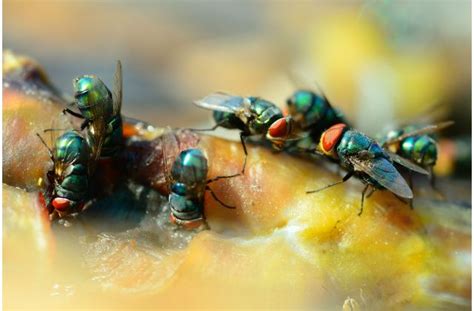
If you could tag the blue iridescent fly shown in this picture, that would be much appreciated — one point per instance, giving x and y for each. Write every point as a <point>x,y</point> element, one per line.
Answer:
<point>364,158</point>
<point>250,115</point>
<point>188,184</point>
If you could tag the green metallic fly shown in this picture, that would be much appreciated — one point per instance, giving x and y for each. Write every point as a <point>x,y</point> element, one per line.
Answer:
<point>364,158</point>
<point>68,181</point>
<point>251,115</point>
<point>188,184</point>
<point>309,115</point>
<point>101,110</point>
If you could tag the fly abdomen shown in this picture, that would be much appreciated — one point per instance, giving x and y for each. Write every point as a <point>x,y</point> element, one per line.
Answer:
<point>228,120</point>
<point>185,209</point>
<point>421,149</point>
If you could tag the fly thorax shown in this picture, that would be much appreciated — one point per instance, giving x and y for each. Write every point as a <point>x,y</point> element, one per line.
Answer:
<point>90,91</point>
<point>317,112</point>
<point>299,104</point>
<point>189,172</point>
<point>353,142</point>
<point>71,146</point>
<point>264,114</point>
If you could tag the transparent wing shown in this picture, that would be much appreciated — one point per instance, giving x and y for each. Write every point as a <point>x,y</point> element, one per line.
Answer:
<point>117,92</point>
<point>422,131</point>
<point>384,173</point>
<point>431,114</point>
<point>407,163</point>
<point>224,102</point>
<point>97,131</point>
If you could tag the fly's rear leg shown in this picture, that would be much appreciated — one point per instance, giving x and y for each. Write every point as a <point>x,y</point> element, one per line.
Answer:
<point>363,197</point>
<point>344,179</point>
<point>217,199</point>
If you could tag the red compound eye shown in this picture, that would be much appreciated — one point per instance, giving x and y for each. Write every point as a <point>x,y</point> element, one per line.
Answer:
<point>331,136</point>
<point>279,128</point>
<point>61,203</point>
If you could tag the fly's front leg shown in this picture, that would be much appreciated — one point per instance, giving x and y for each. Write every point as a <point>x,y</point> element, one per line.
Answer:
<point>73,113</point>
<point>243,137</point>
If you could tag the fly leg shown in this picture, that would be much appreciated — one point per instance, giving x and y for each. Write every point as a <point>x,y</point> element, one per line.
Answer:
<point>209,129</point>
<point>85,124</point>
<point>77,115</point>
<point>50,152</point>
<point>243,136</point>
<point>400,199</point>
<point>217,199</point>
<point>73,113</point>
<point>53,130</point>
<point>221,177</point>
<point>362,199</point>
<point>344,179</point>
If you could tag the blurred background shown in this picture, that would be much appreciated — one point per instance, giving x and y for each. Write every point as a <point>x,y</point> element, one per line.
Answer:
<point>380,62</point>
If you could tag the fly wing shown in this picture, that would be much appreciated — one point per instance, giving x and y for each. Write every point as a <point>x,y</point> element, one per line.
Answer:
<point>422,131</point>
<point>117,92</point>
<point>407,163</point>
<point>224,102</point>
<point>97,131</point>
<point>384,173</point>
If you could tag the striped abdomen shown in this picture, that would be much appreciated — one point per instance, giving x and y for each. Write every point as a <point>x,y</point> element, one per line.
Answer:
<point>70,175</point>
<point>420,149</point>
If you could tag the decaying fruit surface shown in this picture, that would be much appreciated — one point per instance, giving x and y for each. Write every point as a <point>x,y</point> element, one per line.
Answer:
<point>279,248</point>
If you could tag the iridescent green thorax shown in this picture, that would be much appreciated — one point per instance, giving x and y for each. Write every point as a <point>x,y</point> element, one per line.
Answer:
<point>71,147</point>
<point>313,112</point>
<point>190,169</point>
<point>356,144</point>
<point>264,114</point>
<point>90,91</point>
<point>352,142</point>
